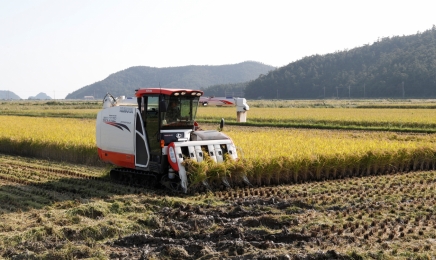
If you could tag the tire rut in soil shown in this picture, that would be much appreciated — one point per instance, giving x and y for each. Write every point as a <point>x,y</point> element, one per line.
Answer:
<point>230,231</point>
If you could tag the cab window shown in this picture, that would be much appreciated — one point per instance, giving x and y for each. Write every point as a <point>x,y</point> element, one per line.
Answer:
<point>153,106</point>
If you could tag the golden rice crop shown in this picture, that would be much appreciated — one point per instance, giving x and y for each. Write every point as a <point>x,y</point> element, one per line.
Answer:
<point>277,155</point>
<point>424,118</point>
<point>55,138</point>
<point>268,155</point>
<point>50,112</point>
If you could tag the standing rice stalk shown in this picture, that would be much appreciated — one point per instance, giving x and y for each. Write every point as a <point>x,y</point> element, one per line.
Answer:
<point>196,171</point>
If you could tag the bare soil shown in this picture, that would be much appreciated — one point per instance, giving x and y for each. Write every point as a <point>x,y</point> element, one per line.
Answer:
<point>249,228</point>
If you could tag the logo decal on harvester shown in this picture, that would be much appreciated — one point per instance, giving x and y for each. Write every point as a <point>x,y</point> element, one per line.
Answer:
<point>126,110</point>
<point>118,125</point>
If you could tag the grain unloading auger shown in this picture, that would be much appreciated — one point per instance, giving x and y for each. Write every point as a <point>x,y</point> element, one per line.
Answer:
<point>152,134</point>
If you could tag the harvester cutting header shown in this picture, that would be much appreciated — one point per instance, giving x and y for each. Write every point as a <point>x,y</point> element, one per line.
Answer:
<point>153,135</point>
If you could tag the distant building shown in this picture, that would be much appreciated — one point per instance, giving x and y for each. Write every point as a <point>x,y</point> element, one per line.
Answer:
<point>89,97</point>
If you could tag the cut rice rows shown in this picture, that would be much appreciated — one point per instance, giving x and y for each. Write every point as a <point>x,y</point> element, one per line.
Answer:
<point>58,211</point>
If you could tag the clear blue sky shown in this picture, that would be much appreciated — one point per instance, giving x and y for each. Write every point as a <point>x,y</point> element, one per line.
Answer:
<point>59,46</point>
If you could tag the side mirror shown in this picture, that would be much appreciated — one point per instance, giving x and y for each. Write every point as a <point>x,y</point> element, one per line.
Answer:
<point>162,106</point>
<point>222,124</point>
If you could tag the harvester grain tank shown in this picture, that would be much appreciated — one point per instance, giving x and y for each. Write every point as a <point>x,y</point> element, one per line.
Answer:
<point>155,132</point>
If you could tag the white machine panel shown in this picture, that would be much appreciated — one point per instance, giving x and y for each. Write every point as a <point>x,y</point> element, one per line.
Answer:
<point>116,129</point>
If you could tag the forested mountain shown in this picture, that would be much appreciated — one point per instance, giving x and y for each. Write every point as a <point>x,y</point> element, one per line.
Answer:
<point>194,77</point>
<point>393,67</point>
<point>7,95</point>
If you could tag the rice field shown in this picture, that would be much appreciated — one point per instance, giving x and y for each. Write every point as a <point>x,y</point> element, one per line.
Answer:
<point>61,139</point>
<point>339,118</point>
<point>378,115</point>
<point>52,210</point>
<point>280,155</point>
<point>345,103</point>
<point>71,109</point>
<point>268,155</point>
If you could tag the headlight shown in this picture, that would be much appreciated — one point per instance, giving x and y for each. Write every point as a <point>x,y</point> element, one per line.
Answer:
<point>172,154</point>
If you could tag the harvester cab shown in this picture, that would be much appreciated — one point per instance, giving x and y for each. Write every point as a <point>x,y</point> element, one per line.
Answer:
<point>154,133</point>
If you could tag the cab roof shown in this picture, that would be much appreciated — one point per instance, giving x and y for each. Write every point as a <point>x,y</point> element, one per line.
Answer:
<point>167,91</point>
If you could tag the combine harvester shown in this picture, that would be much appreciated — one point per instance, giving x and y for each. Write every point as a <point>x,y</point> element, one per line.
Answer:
<point>153,133</point>
<point>218,101</point>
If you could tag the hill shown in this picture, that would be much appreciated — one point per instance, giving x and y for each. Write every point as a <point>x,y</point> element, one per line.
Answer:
<point>391,67</point>
<point>40,96</point>
<point>7,95</point>
<point>195,77</point>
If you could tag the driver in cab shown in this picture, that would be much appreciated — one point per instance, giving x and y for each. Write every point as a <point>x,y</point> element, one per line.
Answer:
<point>173,111</point>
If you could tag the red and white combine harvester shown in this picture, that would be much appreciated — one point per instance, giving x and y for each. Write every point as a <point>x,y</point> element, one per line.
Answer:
<point>218,101</point>
<point>153,133</point>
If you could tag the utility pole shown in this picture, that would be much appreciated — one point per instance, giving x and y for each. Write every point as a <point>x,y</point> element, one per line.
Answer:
<point>324,91</point>
<point>349,96</point>
<point>402,83</point>
<point>364,93</point>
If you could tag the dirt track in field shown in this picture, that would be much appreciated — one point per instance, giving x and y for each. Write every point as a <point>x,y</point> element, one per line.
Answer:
<point>250,228</point>
<point>376,216</point>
